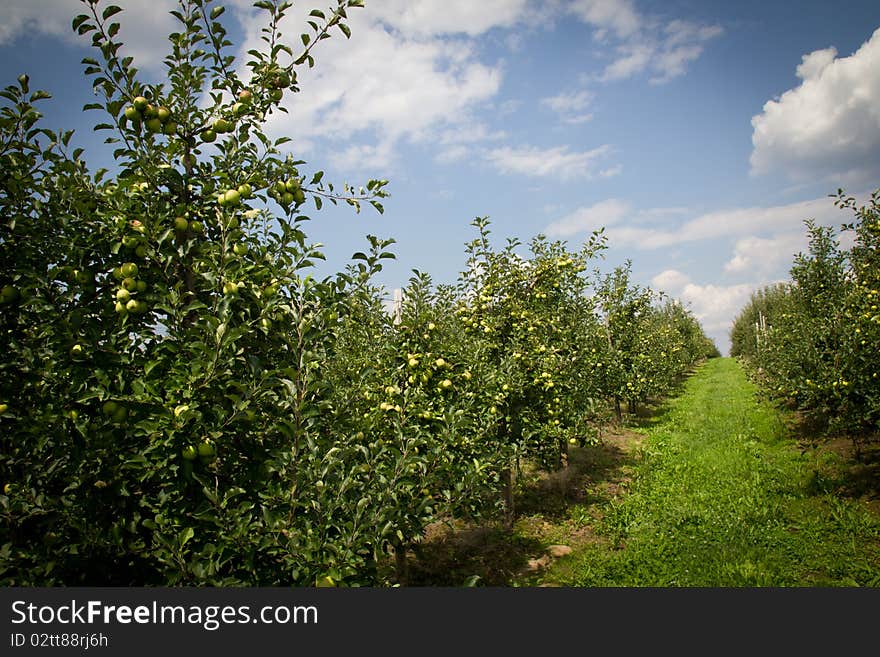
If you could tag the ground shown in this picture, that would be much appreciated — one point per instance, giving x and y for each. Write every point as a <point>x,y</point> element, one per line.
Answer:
<point>773,504</point>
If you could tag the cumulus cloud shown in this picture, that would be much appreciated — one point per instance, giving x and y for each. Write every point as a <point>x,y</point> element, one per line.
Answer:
<point>409,73</point>
<point>670,281</point>
<point>715,306</point>
<point>558,161</point>
<point>144,26</point>
<point>587,219</point>
<point>765,255</point>
<point>828,127</point>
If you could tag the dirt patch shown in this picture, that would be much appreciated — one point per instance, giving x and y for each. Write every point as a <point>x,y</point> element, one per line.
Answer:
<point>552,509</point>
<point>846,467</point>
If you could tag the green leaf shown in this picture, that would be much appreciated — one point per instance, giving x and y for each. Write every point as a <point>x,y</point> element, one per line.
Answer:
<point>112,10</point>
<point>185,535</point>
<point>78,20</point>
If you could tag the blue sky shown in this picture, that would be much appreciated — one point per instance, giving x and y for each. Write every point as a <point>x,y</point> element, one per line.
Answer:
<point>700,134</point>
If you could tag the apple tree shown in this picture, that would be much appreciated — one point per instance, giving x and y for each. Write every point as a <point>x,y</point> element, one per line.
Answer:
<point>162,332</point>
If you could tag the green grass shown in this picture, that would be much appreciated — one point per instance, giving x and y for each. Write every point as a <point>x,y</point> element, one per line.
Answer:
<point>720,496</point>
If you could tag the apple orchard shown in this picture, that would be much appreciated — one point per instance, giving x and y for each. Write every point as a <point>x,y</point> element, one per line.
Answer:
<point>183,402</point>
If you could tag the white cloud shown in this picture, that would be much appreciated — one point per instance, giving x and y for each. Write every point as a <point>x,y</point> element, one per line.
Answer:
<point>670,281</point>
<point>739,222</point>
<point>452,154</point>
<point>557,161</point>
<point>587,219</point>
<point>610,172</point>
<point>565,103</point>
<point>25,17</point>
<point>765,255</point>
<point>828,127</point>
<point>618,16</point>
<point>715,306</point>
<point>409,73</point>
<point>632,59</point>
<point>144,26</point>
<point>644,43</point>
<point>570,106</point>
<point>356,156</point>
<point>430,18</point>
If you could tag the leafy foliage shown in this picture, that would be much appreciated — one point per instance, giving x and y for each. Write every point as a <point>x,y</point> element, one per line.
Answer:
<point>814,341</point>
<point>183,403</point>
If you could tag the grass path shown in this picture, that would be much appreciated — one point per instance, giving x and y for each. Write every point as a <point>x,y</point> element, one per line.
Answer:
<point>716,495</point>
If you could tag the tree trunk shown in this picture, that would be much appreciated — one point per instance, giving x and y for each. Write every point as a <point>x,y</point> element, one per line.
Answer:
<point>401,566</point>
<point>507,483</point>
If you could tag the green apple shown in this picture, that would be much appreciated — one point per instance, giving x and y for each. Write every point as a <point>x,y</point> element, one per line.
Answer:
<point>123,295</point>
<point>128,269</point>
<point>189,453</point>
<point>153,125</point>
<point>221,125</point>
<point>196,227</point>
<point>129,284</point>
<point>239,109</point>
<point>245,190</point>
<point>163,114</point>
<point>232,197</point>
<point>287,198</point>
<point>140,103</point>
<point>245,96</point>
<point>240,248</point>
<point>291,185</point>
<point>181,224</point>
<point>150,112</point>
<point>206,449</point>
<point>209,135</point>
<point>299,197</point>
<point>280,80</point>
<point>109,408</point>
<point>120,414</point>
<point>77,351</point>
<point>9,294</point>
<point>120,308</point>
<point>230,288</point>
<point>132,306</point>
<point>132,114</point>
<point>141,251</point>
<point>141,286</point>
<point>3,409</point>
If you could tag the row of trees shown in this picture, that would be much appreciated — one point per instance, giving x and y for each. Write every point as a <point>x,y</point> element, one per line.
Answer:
<point>183,402</point>
<point>814,341</point>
